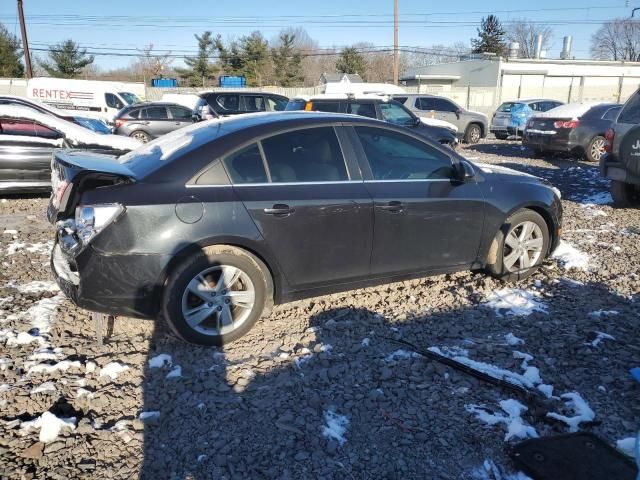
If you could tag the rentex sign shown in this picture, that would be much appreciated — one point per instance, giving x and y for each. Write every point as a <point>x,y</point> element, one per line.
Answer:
<point>55,94</point>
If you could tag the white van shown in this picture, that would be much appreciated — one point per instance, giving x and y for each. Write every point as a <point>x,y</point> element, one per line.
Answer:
<point>96,98</point>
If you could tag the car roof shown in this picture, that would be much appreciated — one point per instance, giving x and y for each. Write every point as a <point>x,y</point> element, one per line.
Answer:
<point>240,91</point>
<point>343,96</point>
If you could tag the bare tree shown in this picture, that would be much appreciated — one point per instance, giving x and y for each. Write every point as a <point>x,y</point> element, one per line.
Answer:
<point>618,39</point>
<point>435,54</point>
<point>526,34</point>
<point>152,64</point>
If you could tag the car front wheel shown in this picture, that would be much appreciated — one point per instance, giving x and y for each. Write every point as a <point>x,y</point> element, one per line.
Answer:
<point>217,295</point>
<point>519,247</point>
<point>473,133</point>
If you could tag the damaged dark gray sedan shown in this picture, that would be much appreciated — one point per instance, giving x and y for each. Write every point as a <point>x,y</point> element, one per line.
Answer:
<point>209,226</point>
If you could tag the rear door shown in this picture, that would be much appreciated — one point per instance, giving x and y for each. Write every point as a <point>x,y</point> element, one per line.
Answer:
<point>157,120</point>
<point>25,152</point>
<point>422,219</point>
<point>447,111</point>
<point>303,190</point>
<point>252,103</point>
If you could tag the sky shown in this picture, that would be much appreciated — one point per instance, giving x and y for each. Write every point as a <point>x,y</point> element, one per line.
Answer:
<point>124,27</point>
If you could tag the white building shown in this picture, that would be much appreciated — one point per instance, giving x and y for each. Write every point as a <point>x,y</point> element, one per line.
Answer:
<point>486,82</point>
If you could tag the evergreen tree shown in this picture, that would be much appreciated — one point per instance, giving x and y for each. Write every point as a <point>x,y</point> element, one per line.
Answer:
<point>351,61</point>
<point>66,60</point>
<point>10,53</point>
<point>490,37</point>
<point>254,52</point>
<point>200,68</point>
<point>287,62</point>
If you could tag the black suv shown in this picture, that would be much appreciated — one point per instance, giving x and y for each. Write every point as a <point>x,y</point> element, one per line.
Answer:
<point>378,107</point>
<point>621,163</point>
<point>237,102</point>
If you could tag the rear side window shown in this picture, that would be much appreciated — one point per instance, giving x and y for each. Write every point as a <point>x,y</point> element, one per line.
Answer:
<point>611,113</point>
<point>180,113</point>
<point>246,166</point>
<point>425,103</point>
<point>134,113</point>
<point>395,156</point>
<point>319,106</point>
<point>252,103</point>
<point>442,105</point>
<point>277,104</point>
<point>294,105</point>
<point>27,128</point>
<point>362,109</point>
<point>631,110</point>
<point>154,113</point>
<point>308,155</point>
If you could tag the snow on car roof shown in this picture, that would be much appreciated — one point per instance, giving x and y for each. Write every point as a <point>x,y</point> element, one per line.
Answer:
<point>74,134</point>
<point>570,110</point>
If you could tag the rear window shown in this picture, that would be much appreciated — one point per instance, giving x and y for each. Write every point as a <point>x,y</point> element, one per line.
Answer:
<point>611,113</point>
<point>506,107</point>
<point>320,106</point>
<point>631,111</point>
<point>295,105</point>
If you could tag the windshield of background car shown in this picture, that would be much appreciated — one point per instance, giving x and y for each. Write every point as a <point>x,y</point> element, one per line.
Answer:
<point>506,107</point>
<point>394,113</point>
<point>129,97</point>
<point>295,105</point>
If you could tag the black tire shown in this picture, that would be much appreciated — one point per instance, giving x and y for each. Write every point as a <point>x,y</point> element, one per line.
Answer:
<point>212,256</point>
<point>473,133</point>
<point>501,136</point>
<point>141,135</point>
<point>593,153</point>
<point>495,264</point>
<point>624,194</point>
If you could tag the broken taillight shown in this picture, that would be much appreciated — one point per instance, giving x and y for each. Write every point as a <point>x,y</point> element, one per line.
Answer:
<point>609,136</point>
<point>120,122</point>
<point>59,190</point>
<point>566,124</point>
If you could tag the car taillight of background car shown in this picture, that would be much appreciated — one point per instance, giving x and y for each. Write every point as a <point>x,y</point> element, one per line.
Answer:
<point>569,124</point>
<point>609,137</point>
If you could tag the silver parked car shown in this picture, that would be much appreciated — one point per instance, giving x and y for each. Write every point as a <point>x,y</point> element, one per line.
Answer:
<point>146,121</point>
<point>511,117</point>
<point>472,126</point>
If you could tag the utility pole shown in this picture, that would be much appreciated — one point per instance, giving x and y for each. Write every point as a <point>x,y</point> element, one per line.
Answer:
<point>396,73</point>
<point>25,42</point>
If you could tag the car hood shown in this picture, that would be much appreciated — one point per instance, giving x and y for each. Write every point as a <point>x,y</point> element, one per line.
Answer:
<point>508,173</point>
<point>478,114</point>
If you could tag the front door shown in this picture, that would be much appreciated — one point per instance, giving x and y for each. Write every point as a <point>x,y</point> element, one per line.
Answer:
<point>423,220</point>
<point>312,210</point>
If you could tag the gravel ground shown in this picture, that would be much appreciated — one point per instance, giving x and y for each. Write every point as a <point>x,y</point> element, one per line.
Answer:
<point>319,389</point>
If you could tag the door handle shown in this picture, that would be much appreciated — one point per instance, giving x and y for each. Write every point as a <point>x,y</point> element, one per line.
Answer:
<point>393,206</point>
<point>279,209</point>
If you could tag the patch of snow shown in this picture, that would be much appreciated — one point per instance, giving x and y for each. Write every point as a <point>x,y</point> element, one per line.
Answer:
<point>514,301</point>
<point>365,342</point>
<point>37,286</point>
<point>579,406</point>
<point>401,355</point>
<point>599,337</point>
<point>90,367</point>
<point>570,257</point>
<point>42,312</point>
<point>512,340</point>
<point>516,427</point>
<point>603,313</point>
<point>4,387</point>
<point>46,387</point>
<point>83,392</point>
<point>10,232</point>
<point>148,415</point>
<point>159,361</point>
<point>434,122</point>
<point>326,348</point>
<point>113,369</point>
<point>600,198</point>
<point>36,248</point>
<point>547,390</point>
<point>490,471</point>
<point>63,366</point>
<point>627,446</point>
<point>22,338</point>
<point>176,372</point>
<point>336,426</point>
<point>202,458</point>
<point>50,426</point>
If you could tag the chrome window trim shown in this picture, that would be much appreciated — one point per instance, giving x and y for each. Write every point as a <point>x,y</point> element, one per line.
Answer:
<point>276,184</point>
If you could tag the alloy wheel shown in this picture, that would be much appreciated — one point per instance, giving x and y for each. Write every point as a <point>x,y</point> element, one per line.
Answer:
<point>141,136</point>
<point>597,149</point>
<point>474,134</point>
<point>218,300</point>
<point>523,247</point>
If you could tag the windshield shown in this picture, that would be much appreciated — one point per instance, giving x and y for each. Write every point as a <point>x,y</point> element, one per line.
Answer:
<point>295,105</point>
<point>506,107</point>
<point>129,97</point>
<point>396,114</point>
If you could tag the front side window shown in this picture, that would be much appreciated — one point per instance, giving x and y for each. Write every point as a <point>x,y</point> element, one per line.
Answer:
<point>228,102</point>
<point>246,165</point>
<point>129,97</point>
<point>396,114</point>
<point>252,103</point>
<point>362,109</point>
<point>113,101</point>
<point>308,155</point>
<point>296,104</point>
<point>154,113</point>
<point>180,113</point>
<point>396,156</point>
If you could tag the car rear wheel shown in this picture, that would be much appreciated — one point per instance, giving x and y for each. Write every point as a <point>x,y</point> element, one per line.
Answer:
<point>595,149</point>
<point>217,295</point>
<point>141,136</point>
<point>519,247</point>
<point>473,134</point>
<point>502,136</point>
<point>624,194</point>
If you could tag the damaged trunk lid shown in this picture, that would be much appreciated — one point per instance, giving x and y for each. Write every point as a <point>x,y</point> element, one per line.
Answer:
<point>74,172</point>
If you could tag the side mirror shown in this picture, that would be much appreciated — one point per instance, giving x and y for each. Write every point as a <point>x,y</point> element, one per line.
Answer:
<point>458,112</point>
<point>196,117</point>
<point>464,171</point>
